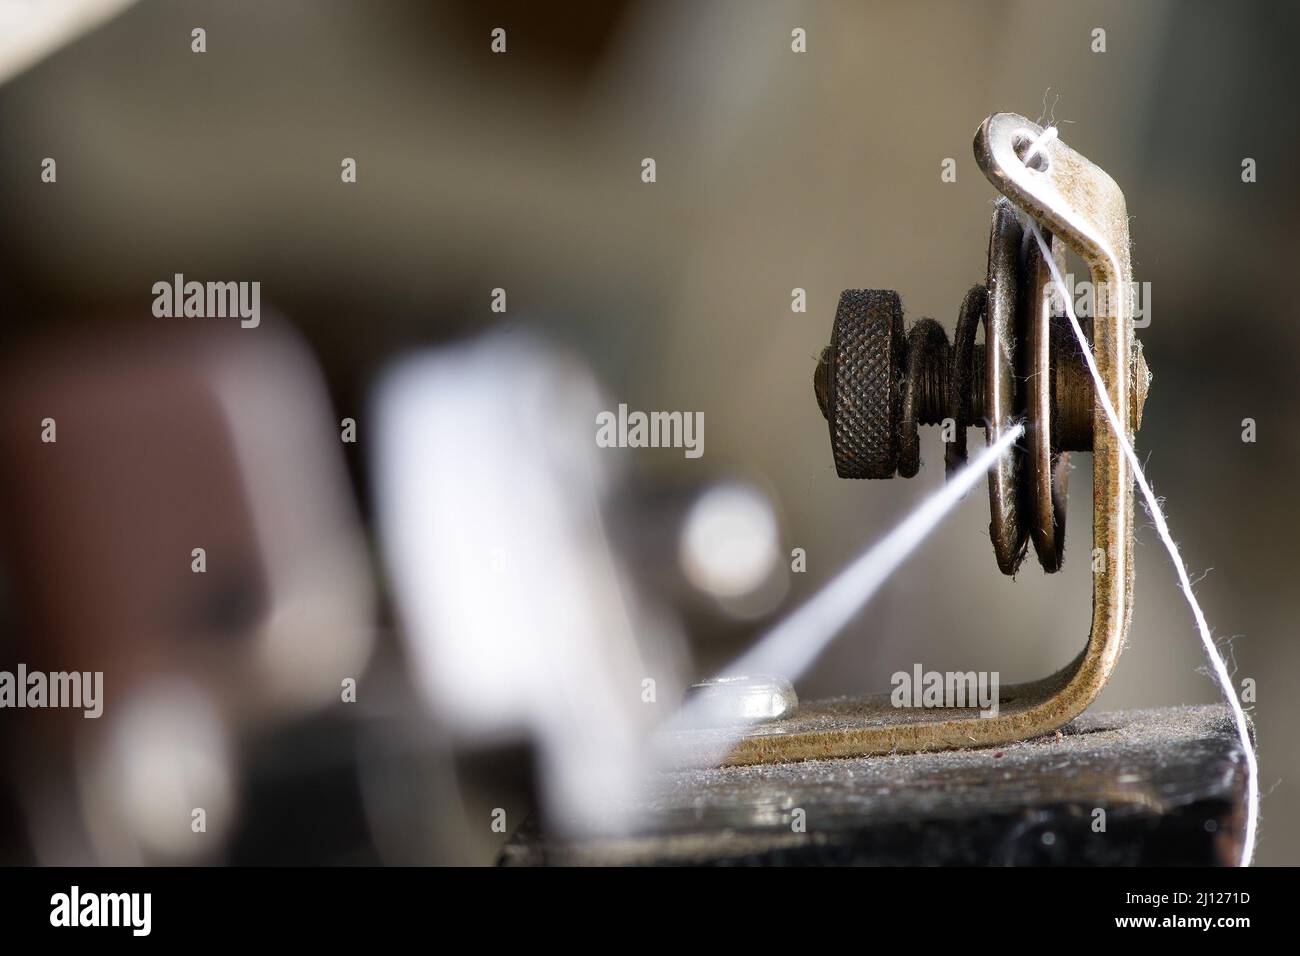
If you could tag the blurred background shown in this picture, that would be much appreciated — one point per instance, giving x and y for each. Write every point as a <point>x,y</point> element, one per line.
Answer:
<point>499,589</point>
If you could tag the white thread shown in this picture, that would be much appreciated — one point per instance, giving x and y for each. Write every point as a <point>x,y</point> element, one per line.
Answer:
<point>795,642</point>
<point>1045,137</point>
<point>1162,528</point>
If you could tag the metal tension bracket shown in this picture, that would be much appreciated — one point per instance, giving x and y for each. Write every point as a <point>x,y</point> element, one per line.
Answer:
<point>875,384</point>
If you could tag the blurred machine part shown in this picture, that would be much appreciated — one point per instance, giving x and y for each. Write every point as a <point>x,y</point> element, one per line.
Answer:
<point>491,492</point>
<point>175,513</point>
<point>730,549</point>
<point>32,29</point>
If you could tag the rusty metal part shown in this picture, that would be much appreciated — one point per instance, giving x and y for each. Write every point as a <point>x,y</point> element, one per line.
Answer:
<point>862,383</point>
<point>1079,204</point>
<point>1034,372</point>
<point>1007,528</point>
<point>1047,468</point>
<point>925,390</point>
<point>967,376</point>
<point>965,384</point>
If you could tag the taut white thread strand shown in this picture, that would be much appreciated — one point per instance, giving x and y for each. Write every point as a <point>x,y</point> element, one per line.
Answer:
<point>795,642</point>
<point>1162,528</point>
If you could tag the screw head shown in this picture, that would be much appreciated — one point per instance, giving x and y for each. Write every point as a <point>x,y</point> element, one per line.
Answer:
<point>858,382</point>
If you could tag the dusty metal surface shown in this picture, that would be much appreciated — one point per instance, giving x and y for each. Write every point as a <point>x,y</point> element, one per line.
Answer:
<point>1170,783</point>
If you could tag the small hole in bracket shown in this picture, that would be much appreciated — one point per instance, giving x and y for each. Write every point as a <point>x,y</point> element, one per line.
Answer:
<point>1021,145</point>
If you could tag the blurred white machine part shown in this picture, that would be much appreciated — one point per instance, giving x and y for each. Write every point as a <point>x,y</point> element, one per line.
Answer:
<point>33,29</point>
<point>729,543</point>
<point>490,489</point>
<point>729,548</point>
<point>162,787</point>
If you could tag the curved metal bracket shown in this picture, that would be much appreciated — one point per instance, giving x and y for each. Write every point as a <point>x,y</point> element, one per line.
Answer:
<point>1079,203</point>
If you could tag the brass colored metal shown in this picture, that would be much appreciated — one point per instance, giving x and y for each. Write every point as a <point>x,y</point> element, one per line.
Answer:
<point>1082,207</point>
